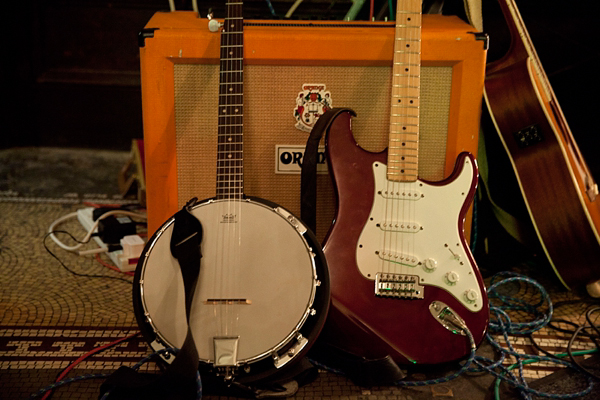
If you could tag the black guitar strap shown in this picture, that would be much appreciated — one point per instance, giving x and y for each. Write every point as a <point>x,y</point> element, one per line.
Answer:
<point>363,372</point>
<point>308,177</point>
<point>179,381</point>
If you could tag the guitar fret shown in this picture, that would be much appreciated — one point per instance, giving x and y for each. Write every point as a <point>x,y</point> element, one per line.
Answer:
<point>230,183</point>
<point>231,89</point>
<point>403,146</point>
<point>412,142</point>
<point>224,159</point>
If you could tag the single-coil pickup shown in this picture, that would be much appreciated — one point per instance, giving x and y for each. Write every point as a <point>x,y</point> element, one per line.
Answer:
<point>401,194</point>
<point>398,285</point>
<point>398,258</point>
<point>399,226</point>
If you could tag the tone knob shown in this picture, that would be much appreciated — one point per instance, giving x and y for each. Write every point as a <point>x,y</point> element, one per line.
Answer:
<point>430,264</point>
<point>471,295</point>
<point>452,277</point>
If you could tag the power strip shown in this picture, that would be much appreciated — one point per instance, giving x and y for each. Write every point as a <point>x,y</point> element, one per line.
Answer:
<point>133,245</point>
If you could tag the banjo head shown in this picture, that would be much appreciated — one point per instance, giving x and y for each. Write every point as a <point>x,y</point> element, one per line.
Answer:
<point>262,293</point>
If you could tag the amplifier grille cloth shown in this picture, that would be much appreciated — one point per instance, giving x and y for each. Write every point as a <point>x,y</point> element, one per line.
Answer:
<point>269,102</point>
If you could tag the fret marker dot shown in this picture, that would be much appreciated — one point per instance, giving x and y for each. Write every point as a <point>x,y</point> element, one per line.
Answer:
<point>228,155</point>
<point>224,110</point>
<point>236,110</point>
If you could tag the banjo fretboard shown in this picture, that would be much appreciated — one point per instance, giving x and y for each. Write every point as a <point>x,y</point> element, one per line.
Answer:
<point>230,158</point>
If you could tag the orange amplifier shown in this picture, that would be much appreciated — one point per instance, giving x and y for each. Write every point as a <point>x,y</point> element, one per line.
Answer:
<point>290,67</point>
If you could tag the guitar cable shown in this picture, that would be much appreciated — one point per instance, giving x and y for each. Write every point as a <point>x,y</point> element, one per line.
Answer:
<point>501,324</point>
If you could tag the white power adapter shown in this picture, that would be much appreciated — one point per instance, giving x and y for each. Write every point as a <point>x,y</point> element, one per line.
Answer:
<point>132,249</point>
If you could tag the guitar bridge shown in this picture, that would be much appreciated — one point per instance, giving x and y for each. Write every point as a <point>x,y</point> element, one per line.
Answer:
<point>398,285</point>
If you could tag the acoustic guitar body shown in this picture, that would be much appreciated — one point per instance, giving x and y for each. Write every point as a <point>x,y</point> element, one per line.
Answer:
<point>558,189</point>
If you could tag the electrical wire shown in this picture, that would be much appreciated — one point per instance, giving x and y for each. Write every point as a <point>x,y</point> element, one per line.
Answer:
<point>501,323</point>
<point>89,234</point>
<point>64,373</point>
<point>137,366</point>
<point>113,267</point>
<point>293,8</point>
<point>70,270</point>
<point>271,8</point>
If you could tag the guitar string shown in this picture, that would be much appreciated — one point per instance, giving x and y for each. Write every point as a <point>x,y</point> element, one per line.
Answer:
<point>414,79</point>
<point>239,55</point>
<point>404,221</point>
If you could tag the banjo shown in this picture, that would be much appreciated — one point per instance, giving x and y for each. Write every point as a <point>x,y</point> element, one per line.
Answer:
<point>262,293</point>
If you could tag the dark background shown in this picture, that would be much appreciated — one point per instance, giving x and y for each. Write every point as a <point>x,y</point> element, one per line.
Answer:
<point>70,68</point>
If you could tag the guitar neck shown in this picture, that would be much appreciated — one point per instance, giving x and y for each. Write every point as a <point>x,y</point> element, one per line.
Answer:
<point>230,158</point>
<point>403,148</point>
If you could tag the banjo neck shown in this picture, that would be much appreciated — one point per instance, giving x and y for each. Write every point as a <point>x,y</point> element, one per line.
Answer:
<point>230,159</point>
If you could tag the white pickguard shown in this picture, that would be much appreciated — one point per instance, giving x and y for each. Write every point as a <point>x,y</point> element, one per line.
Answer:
<point>413,230</point>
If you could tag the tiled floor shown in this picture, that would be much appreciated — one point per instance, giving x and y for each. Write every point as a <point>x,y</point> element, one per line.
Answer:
<point>50,317</point>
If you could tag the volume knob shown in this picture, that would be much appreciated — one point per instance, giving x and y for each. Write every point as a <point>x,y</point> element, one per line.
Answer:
<point>471,295</point>
<point>452,277</point>
<point>429,264</point>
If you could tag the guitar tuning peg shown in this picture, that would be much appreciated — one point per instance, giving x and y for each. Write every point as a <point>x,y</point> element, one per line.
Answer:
<point>213,24</point>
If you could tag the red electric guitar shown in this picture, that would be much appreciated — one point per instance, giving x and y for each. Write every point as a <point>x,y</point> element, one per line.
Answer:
<point>403,280</point>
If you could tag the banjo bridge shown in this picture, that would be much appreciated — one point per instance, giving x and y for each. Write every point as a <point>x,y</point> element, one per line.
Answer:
<point>227,301</point>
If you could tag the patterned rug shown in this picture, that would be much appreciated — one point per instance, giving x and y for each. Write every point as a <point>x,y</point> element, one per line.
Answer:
<point>56,308</point>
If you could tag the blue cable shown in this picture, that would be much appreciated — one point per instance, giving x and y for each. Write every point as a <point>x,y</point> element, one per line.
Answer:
<point>271,8</point>
<point>501,323</point>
